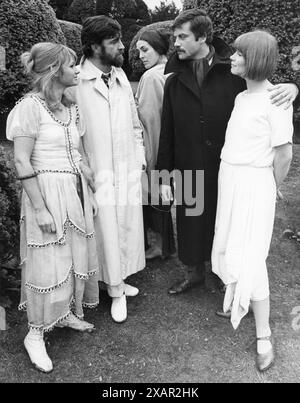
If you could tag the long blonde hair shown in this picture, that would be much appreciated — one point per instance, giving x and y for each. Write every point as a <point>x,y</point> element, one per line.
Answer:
<point>42,63</point>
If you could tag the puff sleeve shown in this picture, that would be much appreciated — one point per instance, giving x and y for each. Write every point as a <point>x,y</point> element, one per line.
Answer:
<point>23,120</point>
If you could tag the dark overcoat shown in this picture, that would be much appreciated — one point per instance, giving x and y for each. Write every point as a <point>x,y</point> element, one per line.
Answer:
<point>194,122</point>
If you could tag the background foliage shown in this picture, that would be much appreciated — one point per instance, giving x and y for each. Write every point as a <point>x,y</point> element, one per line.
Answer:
<point>164,12</point>
<point>9,227</point>
<point>72,33</point>
<point>79,10</point>
<point>61,8</point>
<point>22,24</point>
<point>9,201</point>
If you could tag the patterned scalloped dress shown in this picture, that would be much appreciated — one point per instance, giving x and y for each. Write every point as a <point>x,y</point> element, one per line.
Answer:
<point>59,270</point>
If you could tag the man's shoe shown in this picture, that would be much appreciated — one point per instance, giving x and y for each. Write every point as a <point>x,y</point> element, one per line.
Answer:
<point>182,286</point>
<point>267,360</point>
<point>225,315</point>
<point>131,291</point>
<point>153,253</point>
<point>119,309</point>
<point>35,347</point>
<point>77,324</point>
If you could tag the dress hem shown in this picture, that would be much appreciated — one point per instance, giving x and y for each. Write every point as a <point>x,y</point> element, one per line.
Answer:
<point>47,290</point>
<point>62,240</point>
<point>49,328</point>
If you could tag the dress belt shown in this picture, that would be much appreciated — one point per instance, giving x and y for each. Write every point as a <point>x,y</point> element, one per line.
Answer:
<point>79,187</point>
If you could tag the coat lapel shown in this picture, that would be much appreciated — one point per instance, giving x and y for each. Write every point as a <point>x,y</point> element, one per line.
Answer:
<point>100,86</point>
<point>188,79</point>
<point>89,72</point>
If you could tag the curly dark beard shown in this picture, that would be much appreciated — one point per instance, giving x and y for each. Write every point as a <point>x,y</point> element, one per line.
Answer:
<point>116,61</point>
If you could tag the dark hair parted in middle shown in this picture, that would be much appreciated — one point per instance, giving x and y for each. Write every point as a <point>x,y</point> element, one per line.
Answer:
<point>95,30</point>
<point>158,40</point>
<point>201,24</point>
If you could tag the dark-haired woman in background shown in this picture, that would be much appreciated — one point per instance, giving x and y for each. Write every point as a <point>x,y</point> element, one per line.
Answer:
<point>153,47</point>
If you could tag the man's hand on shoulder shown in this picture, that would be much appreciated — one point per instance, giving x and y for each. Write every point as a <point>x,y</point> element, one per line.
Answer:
<point>284,94</point>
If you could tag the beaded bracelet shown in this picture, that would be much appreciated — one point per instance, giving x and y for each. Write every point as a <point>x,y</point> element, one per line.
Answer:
<point>21,178</point>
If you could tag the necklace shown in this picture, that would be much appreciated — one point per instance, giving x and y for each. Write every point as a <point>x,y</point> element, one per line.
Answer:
<point>44,104</point>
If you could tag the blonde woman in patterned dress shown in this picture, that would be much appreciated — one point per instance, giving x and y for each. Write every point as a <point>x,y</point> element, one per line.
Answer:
<point>58,251</point>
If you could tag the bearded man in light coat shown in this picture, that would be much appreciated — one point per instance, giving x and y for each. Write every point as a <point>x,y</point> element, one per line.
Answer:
<point>113,144</point>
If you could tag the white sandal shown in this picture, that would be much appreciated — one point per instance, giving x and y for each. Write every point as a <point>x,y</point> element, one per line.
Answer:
<point>77,324</point>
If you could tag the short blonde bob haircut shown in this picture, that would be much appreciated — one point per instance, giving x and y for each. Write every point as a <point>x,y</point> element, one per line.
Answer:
<point>42,63</point>
<point>260,50</point>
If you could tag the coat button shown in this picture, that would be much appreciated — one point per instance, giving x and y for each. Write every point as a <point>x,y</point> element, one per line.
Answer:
<point>208,143</point>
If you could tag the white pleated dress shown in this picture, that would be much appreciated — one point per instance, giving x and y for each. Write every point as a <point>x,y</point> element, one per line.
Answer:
<point>58,269</point>
<point>246,199</point>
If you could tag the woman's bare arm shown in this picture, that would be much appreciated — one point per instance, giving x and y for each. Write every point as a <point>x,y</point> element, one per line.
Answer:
<point>282,162</point>
<point>23,147</point>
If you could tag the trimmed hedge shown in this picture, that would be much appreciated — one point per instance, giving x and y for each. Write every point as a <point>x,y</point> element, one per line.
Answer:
<point>22,24</point>
<point>129,28</point>
<point>79,10</point>
<point>137,66</point>
<point>9,202</point>
<point>234,17</point>
<point>72,33</point>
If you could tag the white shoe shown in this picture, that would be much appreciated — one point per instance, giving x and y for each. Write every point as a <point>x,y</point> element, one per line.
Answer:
<point>35,346</point>
<point>77,324</point>
<point>119,309</point>
<point>131,291</point>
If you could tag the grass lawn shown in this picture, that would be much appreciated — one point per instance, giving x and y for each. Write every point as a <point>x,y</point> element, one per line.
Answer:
<point>175,338</point>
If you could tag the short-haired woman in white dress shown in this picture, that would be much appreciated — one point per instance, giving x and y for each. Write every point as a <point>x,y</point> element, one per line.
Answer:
<point>255,160</point>
<point>58,250</point>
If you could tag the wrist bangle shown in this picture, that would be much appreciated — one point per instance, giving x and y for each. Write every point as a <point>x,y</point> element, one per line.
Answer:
<point>22,178</point>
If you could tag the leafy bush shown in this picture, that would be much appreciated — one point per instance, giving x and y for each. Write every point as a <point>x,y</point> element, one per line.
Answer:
<point>129,28</point>
<point>9,228</point>
<point>60,7</point>
<point>72,34</point>
<point>234,17</point>
<point>136,65</point>
<point>79,10</point>
<point>22,24</point>
<point>116,8</point>
<point>164,12</point>
<point>9,201</point>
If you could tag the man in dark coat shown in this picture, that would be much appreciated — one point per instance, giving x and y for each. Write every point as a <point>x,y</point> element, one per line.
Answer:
<point>198,101</point>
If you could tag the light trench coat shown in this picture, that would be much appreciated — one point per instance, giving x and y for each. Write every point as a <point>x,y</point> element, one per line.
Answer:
<point>149,99</point>
<point>114,146</point>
